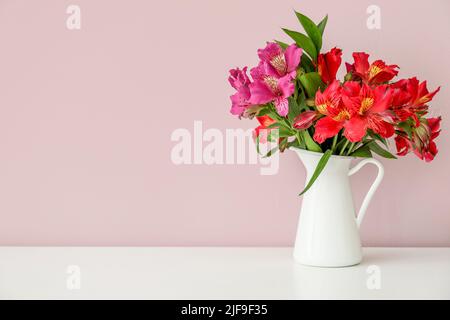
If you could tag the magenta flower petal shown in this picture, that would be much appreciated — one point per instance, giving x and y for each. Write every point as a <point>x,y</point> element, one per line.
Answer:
<point>286,86</point>
<point>292,55</point>
<point>271,50</point>
<point>260,93</point>
<point>237,109</point>
<point>261,71</point>
<point>238,78</point>
<point>240,81</point>
<point>239,101</point>
<point>282,106</point>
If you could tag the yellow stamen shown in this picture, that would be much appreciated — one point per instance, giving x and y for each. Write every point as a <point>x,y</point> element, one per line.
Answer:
<point>373,71</point>
<point>322,108</point>
<point>279,63</point>
<point>423,100</point>
<point>272,83</point>
<point>366,104</point>
<point>342,115</point>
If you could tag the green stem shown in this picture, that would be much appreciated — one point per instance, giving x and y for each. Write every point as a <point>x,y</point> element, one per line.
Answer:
<point>334,143</point>
<point>343,148</point>
<point>299,139</point>
<point>351,148</point>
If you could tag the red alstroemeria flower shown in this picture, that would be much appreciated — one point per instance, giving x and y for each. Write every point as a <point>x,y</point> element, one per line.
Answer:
<point>402,144</point>
<point>305,119</point>
<point>410,97</point>
<point>326,103</point>
<point>328,65</point>
<point>400,101</point>
<point>422,139</point>
<point>418,91</point>
<point>368,111</point>
<point>329,103</point>
<point>376,73</point>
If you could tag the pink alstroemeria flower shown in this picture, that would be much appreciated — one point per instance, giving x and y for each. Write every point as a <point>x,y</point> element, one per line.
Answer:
<point>271,89</point>
<point>273,76</point>
<point>240,81</point>
<point>280,63</point>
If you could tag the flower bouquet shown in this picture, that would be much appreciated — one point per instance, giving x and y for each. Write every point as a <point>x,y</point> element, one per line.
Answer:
<point>300,105</point>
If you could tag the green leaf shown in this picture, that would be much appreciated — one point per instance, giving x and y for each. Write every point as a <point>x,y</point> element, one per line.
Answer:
<point>283,130</point>
<point>300,140</point>
<point>283,145</point>
<point>257,144</point>
<point>263,112</point>
<point>294,109</point>
<point>271,152</point>
<point>293,144</point>
<point>283,45</point>
<point>311,30</point>
<point>320,166</point>
<point>362,152</point>
<point>376,136</point>
<point>322,24</point>
<point>406,127</point>
<point>274,115</point>
<point>380,151</point>
<point>303,42</point>
<point>311,81</point>
<point>273,125</point>
<point>306,63</point>
<point>301,99</point>
<point>309,142</point>
<point>340,144</point>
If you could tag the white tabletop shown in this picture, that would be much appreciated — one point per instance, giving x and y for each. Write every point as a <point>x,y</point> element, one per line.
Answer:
<point>217,273</point>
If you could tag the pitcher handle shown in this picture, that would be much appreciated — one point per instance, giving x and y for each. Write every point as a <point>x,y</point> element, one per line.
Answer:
<point>372,189</point>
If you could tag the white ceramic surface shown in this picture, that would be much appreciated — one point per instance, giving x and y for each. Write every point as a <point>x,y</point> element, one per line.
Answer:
<point>328,229</point>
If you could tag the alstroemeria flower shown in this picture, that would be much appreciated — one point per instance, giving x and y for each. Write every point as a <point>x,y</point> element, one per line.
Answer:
<point>305,119</point>
<point>376,73</point>
<point>240,81</point>
<point>271,89</point>
<point>329,103</point>
<point>400,101</point>
<point>239,78</point>
<point>411,97</point>
<point>328,100</point>
<point>422,139</point>
<point>328,65</point>
<point>368,110</point>
<point>420,95</point>
<point>402,144</point>
<point>280,63</point>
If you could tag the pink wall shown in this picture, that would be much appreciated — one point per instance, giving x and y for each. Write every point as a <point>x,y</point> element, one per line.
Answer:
<point>86,118</point>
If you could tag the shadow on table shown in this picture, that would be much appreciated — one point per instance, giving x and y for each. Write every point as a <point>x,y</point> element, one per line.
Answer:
<point>355,282</point>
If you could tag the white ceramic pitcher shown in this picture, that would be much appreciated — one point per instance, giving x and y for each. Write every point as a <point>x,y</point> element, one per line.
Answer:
<point>328,230</point>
